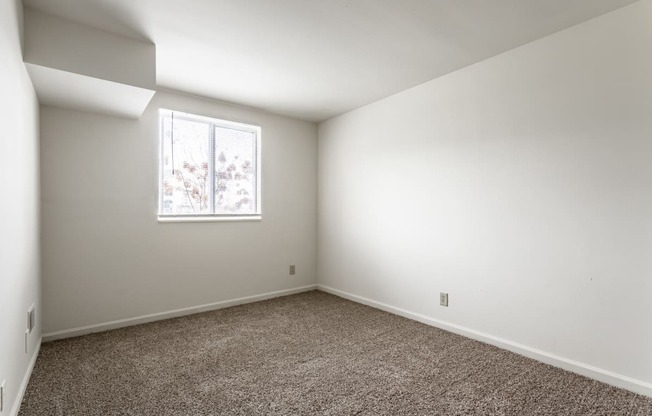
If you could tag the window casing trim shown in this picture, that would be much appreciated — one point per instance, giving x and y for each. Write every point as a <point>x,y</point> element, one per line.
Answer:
<point>213,122</point>
<point>208,218</point>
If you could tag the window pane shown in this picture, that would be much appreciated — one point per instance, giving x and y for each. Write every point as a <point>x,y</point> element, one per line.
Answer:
<point>235,171</point>
<point>186,156</point>
<point>209,167</point>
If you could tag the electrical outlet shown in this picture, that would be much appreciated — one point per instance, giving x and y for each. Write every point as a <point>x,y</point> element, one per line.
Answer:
<point>30,319</point>
<point>443,299</point>
<point>2,396</point>
<point>292,269</point>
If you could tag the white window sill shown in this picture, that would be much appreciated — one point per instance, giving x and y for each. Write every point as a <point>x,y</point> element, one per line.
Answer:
<point>209,218</point>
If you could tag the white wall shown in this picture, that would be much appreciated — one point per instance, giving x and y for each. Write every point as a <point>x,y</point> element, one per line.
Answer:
<point>521,185</point>
<point>105,256</point>
<point>19,207</point>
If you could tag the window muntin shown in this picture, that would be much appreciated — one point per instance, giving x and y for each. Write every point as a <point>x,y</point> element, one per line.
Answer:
<point>208,167</point>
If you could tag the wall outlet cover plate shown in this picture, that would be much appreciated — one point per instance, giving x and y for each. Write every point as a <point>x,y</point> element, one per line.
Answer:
<point>443,299</point>
<point>2,395</point>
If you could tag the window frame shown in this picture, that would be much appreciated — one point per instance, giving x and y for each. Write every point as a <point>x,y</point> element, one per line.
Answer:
<point>213,122</point>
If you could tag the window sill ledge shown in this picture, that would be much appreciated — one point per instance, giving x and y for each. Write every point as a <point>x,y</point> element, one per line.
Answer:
<point>210,218</point>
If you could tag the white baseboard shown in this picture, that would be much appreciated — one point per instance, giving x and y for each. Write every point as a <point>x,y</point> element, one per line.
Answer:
<point>618,380</point>
<point>23,386</point>
<point>105,326</point>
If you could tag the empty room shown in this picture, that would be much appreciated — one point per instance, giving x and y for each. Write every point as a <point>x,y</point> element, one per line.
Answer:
<point>329,207</point>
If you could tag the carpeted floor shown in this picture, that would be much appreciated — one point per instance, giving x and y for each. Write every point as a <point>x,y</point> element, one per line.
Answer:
<point>311,353</point>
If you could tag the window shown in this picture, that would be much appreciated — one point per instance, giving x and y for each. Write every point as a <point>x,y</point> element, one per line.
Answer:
<point>209,168</point>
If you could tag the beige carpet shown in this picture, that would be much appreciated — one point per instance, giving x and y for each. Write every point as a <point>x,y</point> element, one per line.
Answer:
<point>311,353</point>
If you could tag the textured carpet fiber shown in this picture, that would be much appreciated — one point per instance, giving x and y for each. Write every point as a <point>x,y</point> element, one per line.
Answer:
<point>311,353</point>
